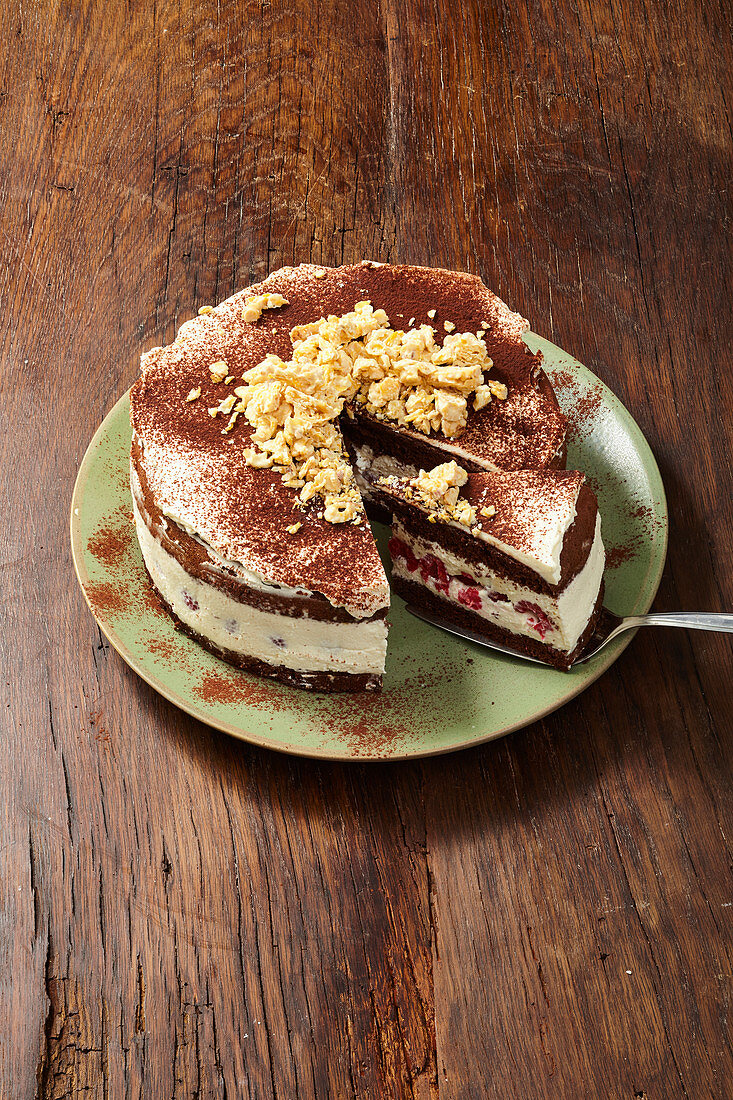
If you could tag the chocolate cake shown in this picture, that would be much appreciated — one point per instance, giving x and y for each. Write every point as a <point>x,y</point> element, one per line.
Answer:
<point>516,556</point>
<point>248,498</point>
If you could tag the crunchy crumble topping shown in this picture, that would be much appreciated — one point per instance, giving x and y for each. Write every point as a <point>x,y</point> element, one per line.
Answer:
<point>439,490</point>
<point>293,407</point>
<point>225,405</point>
<point>358,358</point>
<point>218,371</point>
<point>254,307</point>
<point>194,394</point>
<point>401,376</point>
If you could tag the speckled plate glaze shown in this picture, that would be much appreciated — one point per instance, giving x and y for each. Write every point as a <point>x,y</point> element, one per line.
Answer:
<point>440,693</point>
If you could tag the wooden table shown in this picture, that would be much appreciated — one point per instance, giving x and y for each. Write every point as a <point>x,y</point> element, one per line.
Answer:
<point>183,915</point>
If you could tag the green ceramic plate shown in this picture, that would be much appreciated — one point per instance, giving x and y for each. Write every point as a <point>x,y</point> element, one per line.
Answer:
<point>439,693</point>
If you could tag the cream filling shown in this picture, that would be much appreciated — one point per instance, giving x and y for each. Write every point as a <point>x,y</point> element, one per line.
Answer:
<point>256,581</point>
<point>401,470</point>
<point>561,619</point>
<point>378,595</point>
<point>451,448</point>
<point>301,644</point>
<point>252,580</point>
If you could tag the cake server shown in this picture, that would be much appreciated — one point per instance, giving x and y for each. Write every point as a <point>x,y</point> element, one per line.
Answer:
<point>609,627</point>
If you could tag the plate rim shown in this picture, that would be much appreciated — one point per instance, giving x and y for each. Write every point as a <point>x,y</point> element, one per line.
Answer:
<point>240,733</point>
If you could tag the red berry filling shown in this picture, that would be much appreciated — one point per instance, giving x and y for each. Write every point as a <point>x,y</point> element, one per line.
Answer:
<point>537,617</point>
<point>190,602</point>
<point>432,568</point>
<point>400,549</point>
<point>470,597</point>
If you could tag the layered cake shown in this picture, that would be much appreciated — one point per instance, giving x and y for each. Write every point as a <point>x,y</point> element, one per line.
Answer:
<point>262,430</point>
<point>516,556</point>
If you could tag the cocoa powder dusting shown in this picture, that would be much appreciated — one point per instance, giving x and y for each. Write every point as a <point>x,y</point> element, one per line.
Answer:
<point>384,725</point>
<point>106,598</point>
<point>650,520</point>
<point>123,595</point>
<point>365,724</point>
<point>370,725</point>
<point>584,411</point>
<point>583,404</point>
<point>645,528</point>
<point>168,651</point>
<point>619,555</point>
<point>563,378</point>
<point>148,598</point>
<point>110,543</point>
<point>232,688</point>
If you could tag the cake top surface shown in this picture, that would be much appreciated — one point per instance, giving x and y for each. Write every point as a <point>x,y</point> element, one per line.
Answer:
<point>199,474</point>
<point>524,513</point>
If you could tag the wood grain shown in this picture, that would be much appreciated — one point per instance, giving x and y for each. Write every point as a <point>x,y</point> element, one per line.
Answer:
<point>184,916</point>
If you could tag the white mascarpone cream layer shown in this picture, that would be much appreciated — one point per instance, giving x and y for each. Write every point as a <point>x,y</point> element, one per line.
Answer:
<point>558,621</point>
<point>301,644</point>
<point>385,465</point>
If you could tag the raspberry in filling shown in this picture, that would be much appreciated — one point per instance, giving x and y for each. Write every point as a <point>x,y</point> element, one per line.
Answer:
<point>538,620</point>
<point>470,597</point>
<point>432,568</point>
<point>400,549</point>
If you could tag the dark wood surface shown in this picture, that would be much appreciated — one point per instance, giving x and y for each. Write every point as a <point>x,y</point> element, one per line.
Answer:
<point>186,916</point>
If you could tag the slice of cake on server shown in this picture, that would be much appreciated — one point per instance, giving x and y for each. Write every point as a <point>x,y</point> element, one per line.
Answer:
<point>516,556</point>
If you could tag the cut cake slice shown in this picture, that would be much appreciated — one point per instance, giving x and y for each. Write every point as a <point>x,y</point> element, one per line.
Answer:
<point>517,557</point>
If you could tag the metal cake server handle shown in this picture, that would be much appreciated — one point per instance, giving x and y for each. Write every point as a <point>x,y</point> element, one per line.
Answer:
<point>610,626</point>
